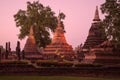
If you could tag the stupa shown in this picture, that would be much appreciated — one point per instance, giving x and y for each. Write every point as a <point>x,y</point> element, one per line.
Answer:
<point>30,48</point>
<point>59,48</point>
<point>97,49</point>
<point>96,33</point>
<point>95,37</point>
<point>101,48</point>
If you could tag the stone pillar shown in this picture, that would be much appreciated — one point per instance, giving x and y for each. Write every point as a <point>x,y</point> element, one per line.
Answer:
<point>6,53</point>
<point>0,54</point>
<point>9,49</point>
<point>23,54</point>
<point>18,50</point>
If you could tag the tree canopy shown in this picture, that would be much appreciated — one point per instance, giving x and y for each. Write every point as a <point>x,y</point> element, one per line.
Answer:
<point>111,23</point>
<point>42,18</point>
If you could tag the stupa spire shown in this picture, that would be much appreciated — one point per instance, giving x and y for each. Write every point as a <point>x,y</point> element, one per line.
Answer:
<point>59,20</point>
<point>31,31</point>
<point>31,35</point>
<point>96,17</point>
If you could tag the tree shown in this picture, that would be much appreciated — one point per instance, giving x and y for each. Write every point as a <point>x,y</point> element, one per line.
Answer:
<point>42,19</point>
<point>111,23</point>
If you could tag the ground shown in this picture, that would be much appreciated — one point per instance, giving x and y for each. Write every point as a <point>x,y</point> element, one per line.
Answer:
<point>51,78</point>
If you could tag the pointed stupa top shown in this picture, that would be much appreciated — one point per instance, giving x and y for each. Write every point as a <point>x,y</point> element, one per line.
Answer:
<point>31,35</point>
<point>96,17</point>
<point>31,31</point>
<point>59,33</point>
<point>59,20</point>
<point>59,27</point>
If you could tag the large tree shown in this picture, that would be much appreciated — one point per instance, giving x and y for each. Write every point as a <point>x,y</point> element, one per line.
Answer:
<point>42,19</point>
<point>111,23</point>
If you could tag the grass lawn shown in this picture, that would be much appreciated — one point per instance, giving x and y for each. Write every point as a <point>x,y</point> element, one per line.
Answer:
<point>50,78</point>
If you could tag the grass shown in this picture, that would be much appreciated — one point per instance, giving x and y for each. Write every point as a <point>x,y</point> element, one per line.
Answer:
<point>51,78</point>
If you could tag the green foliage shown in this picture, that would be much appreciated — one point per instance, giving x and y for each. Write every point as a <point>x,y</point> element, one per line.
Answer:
<point>102,30</point>
<point>64,64</point>
<point>52,78</point>
<point>13,62</point>
<point>111,23</point>
<point>47,63</point>
<point>88,65</point>
<point>42,19</point>
<point>53,63</point>
<point>2,49</point>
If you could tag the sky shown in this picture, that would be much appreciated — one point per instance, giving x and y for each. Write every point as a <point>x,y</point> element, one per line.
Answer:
<point>79,16</point>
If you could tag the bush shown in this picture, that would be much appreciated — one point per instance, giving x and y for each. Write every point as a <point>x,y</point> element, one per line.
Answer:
<point>88,65</point>
<point>64,64</point>
<point>46,63</point>
<point>33,61</point>
<point>53,63</point>
<point>13,62</point>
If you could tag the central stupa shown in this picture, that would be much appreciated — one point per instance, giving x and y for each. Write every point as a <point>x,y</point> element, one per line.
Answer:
<point>59,48</point>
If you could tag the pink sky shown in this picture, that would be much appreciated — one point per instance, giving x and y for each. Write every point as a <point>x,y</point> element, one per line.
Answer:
<point>79,15</point>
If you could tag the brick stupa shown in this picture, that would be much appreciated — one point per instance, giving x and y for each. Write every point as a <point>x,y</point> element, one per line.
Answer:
<point>59,48</point>
<point>30,48</point>
<point>96,33</point>
<point>95,37</point>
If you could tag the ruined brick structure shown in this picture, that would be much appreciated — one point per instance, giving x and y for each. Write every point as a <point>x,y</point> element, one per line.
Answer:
<point>59,48</point>
<point>95,37</point>
<point>30,48</point>
<point>97,49</point>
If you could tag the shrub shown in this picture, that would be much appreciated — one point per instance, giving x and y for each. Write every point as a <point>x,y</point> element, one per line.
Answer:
<point>88,65</point>
<point>64,64</point>
<point>53,63</point>
<point>46,63</point>
<point>13,62</point>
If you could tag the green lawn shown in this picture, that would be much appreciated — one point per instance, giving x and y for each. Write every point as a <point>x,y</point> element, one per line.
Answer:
<point>50,78</point>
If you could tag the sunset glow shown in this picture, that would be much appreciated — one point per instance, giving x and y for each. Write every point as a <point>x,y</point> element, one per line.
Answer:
<point>79,16</point>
